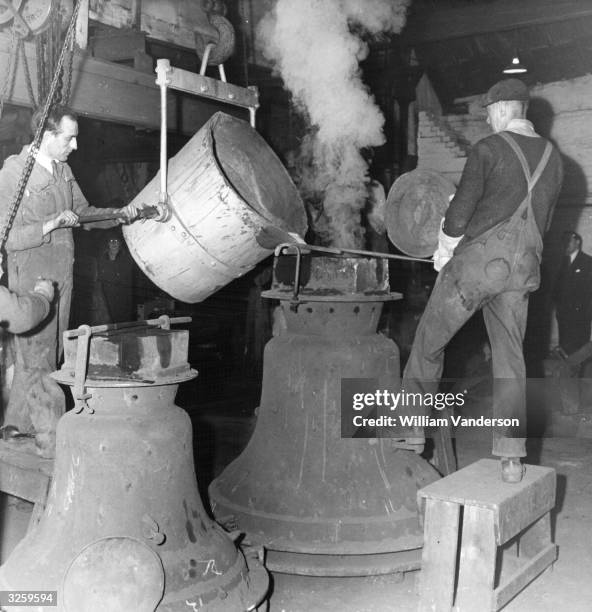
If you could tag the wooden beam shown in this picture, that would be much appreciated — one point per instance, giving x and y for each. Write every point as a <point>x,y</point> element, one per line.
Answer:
<point>442,23</point>
<point>112,92</point>
<point>81,33</point>
<point>189,82</point>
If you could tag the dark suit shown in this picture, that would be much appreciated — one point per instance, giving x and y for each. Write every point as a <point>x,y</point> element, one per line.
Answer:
<point>573,297</point>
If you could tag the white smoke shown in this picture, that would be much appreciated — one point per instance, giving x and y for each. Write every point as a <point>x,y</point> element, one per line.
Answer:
<point>317,48</point>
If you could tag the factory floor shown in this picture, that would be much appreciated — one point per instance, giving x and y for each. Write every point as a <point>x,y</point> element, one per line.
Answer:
<point>222,432</point>
<point>223,427</point>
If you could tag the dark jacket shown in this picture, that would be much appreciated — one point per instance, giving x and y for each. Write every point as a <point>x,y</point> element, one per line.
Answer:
<point>493,185</point>
<point>573,294</point>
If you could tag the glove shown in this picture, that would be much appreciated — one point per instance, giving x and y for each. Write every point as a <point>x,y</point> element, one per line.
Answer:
<point>298,239</point>
<point>445,250</point>
<point>45,288</point>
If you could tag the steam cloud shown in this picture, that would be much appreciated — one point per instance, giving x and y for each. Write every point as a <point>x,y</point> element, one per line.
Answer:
<point>317,48</point>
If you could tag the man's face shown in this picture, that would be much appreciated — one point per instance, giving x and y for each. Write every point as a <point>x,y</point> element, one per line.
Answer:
<point>572,245</point>
<point>114,246</point>
<point>59,144</point>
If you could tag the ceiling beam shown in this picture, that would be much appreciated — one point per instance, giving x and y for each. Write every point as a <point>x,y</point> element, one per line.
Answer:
<point>443,23</point>
<point>114,93</point>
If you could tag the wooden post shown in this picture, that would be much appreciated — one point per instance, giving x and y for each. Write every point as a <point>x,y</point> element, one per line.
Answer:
<point>438,562</point>
<point>81,32</point>
<point>477,559</point>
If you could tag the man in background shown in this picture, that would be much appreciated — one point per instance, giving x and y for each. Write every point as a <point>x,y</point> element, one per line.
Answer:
<point>573,295</point>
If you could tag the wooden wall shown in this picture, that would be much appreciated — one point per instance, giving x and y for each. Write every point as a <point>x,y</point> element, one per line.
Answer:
<point>172,21</point>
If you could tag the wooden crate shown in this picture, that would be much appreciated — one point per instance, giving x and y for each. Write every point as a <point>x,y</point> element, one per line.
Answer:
<point>503,531</point>
<point>25,475</point>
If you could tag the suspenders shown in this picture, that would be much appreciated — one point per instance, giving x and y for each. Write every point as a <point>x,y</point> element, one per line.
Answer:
<point>531,180</point>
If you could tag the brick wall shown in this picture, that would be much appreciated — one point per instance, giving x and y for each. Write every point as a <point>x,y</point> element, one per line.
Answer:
<point>438,147</point>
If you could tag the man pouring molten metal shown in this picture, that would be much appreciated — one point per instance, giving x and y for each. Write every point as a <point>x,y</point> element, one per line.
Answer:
<point>488,256</point>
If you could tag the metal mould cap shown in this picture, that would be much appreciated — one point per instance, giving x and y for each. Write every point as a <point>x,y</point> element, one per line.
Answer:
<point>131,356</point>
<point>330,278</point>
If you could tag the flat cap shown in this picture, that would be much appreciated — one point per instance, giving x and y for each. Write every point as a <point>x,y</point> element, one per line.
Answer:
<point>508,89</point>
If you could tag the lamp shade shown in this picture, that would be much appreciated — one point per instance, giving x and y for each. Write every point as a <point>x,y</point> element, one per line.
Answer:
<point>515,67</point>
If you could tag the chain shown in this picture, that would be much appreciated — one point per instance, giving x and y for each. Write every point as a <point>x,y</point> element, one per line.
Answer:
<point>9,78</point>
<point>55,34</point>
<point>34,148</point>
<point>21,45</point>
<point>41,67</point>
<point>68,73</point>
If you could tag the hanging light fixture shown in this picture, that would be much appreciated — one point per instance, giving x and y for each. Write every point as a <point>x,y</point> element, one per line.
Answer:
<point>515,67</point>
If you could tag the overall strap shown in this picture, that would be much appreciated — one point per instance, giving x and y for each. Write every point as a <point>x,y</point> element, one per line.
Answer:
<point>531,180</point>
<point>542,165</point>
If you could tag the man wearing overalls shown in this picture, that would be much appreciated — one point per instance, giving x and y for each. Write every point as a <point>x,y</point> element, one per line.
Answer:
<point>489,256</point>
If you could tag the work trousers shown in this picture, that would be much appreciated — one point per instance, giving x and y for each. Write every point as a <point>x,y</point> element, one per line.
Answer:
<point>36,401</point>
<point>494,272</point>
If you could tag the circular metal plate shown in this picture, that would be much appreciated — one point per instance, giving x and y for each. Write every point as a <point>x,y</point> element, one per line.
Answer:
<point>67,376</point>
<point>414,209</point>
<point>118,574</point>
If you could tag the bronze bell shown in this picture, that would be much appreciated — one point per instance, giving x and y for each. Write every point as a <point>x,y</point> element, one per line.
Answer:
<point>319,503</point>
<point>124,522</point>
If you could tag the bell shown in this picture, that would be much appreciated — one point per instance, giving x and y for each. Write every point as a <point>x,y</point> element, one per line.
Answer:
<point>319,503</point>
<point>124,523</point>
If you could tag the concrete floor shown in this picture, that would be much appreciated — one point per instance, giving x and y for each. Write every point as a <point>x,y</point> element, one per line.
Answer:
<point>566,585</point>
<point>222,430</point>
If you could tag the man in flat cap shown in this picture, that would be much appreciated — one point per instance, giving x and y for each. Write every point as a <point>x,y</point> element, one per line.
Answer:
<point>488,256</point>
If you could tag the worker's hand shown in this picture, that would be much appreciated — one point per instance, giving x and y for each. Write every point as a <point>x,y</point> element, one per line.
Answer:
<point>130,212</point>
<point>445,250</point>
<point>158,211</point>
<point>67,218</point>
<point>163,212</point>
<point>45,288</point>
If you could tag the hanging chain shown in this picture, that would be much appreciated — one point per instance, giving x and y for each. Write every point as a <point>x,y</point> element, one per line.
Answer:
<point>68,74</point>
<point>7,221</point>
<point>41,67</point>
<point>9,78</point>
<point>21,45</point>
<point>54,36</point>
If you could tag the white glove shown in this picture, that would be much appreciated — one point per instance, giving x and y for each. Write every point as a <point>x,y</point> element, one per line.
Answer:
<point>445,250</point>
<point>297,238</point>
<point>45,288</point>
